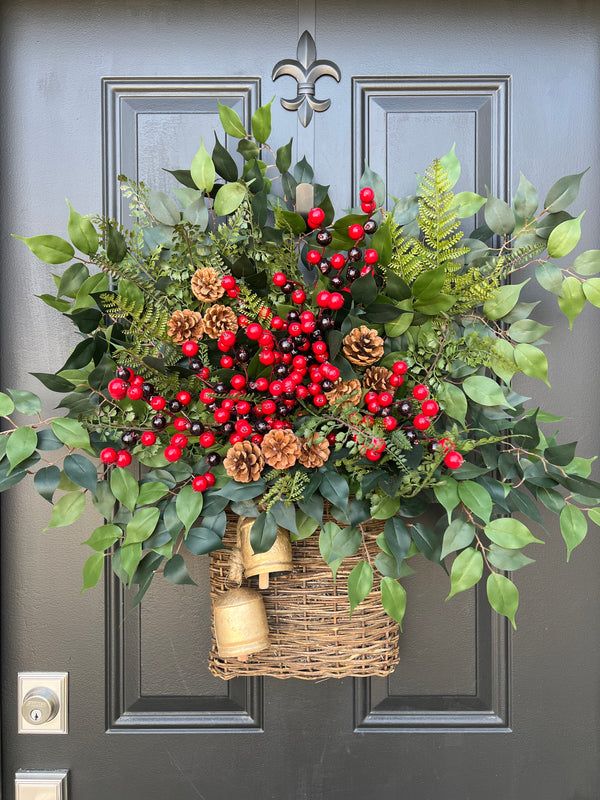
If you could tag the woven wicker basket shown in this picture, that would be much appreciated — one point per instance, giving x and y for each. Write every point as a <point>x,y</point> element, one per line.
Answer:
<point>311,632</point>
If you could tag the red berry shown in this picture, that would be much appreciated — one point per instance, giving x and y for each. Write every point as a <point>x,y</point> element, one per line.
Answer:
<point>373,406</point>
<point>235,438</point>
<point>366,194</point>
<point>254,331</point>
<point>315,217</point>
<point>137,380</point>
<point>453,460</point>
<point>199,484</point>
<point>356,232</point>
<point>390,423</point>
<point>262,384</point>
<point>313,256</point>
<point>179,440</point>
<point>135,393</point>
<point>158,402</point>
<point>277,323</point>
<point>396,380</point>
<point>373,455</point>
<point>323,299</point>
<point>226,362</point>
<point>207,439</point>
<point>123,458</point>
<point>368,208</point>
<point>337,261</point>
<point>228,282</point>
<point>181,424</point>
<point>266,357</point>
<point>209,478</point>
<point>371,397</point>
<point>243,428</point>
<point>371,256</point>
<point>185,398</point>
<point>294,329</point>
<point>279,279</point>
<point>446,444</point>
<point>385,399</point>
<point>238,381</point>
<point>319,348</point>
<point>336,301</point>
<point>207,396</point>
<point>399,367</point>
<point>256,438</point>
<point>319,400</point>
<point>276,388</point>
<point>189,349</point>
<point>148,438</point>
<point>302,392</point>
<point>173,453</point>
<point>298,296</point>
<point>108,455</point>
<point>242,407</point>
<point>232,292</point>
<point>221,416</point>
<point>421,422</point>
<point>420,392</point>
<point>268,406</point>
<point>117,389</point>
<point>204,373</point>
<point>266,340</point>
<point>430,408</point>
<point>243,320</point>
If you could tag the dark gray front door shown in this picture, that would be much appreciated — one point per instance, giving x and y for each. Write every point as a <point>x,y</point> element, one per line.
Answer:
<point>93,89</point>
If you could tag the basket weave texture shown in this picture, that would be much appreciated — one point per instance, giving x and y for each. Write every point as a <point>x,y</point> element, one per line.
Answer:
<point>311,632</point>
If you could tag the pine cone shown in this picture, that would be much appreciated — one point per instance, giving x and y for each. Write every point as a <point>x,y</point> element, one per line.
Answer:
<point>345,392</point>
<point>244,462</point>
<point>218,319</point>
<point>185,326</point>
<point>206,285</point>
<point>377,379</point>
<point>314,451</point>
<point>363,346</point>
<point>280,448</point>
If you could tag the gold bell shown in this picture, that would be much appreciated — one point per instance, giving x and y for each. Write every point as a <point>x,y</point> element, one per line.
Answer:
<point>240,621</point>
<point>277,559</point>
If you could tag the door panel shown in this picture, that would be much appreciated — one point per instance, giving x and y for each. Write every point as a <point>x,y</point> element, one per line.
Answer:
<point>93,90</point>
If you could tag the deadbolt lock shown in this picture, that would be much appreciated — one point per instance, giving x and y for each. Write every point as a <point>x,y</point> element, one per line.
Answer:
<point>40,705</point>
<point>43,700</point>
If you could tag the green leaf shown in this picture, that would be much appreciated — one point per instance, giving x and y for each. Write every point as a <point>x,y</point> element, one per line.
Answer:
<point>591,290</point>
<point>360,583</point>
<point>399,325</point>
<point>476,499</point>
<point>563,192</point>
<point>231,122</point>
<point>467,569</point>
<point>104,537</point>
<point>446,494</point>
<point>142,525</point>
<point>451,164</point>
<point>526,199</point>
<point>458,534</point>
<point>527,331</point>
<point>510,533</point>
<point>26,402</point>
<point>82,233</point>
<point>20,445</point>
<point>504,299</point>
<point>484,391</point>
<point>565,237</point>
<point>67,510</point>
<point>196,213</point>
<point>263,532</point>
<point>334,488</point>
<point>508,560</point>
<point>81,471</point>
<point>92,570</point>
<point>549,277</point>
<point>382,242</point>
<point>71,433</point>
<point>383,507</point>
<point>116,246</point>
<point>375,182</point>
<point>393,599</point>
<point>465,204</point>
<point>573,527</point>
<point>188,506</point>
<point>503,596</point>
<point>46,481</point>
<point>283,158</point>
<point>561,454</point>
<point>223,161</point>
<point>229,198</point>
<point>176,571</point>
<point>337,543</point>
<point>261,123</point>
<point>572,299</point>
<point>305,526</point>
<point>364,290</point>
<point>202,540</point>
<point>453,401</point>
<point>203,170</point>
<point>124,487</point>
<point>429,283</point>
<point>7,405</point>
<point>126,559</point>
<point>49,249</point>
<point>163,208</point>
<point>587,263</point>
<point>594,515</point>
<point>151,492</point>
<point>499,216</point>
<point>397,538</point>
<point>532,361</point>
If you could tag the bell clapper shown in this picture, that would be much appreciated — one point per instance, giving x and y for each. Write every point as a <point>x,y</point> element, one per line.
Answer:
<point>263,580</point>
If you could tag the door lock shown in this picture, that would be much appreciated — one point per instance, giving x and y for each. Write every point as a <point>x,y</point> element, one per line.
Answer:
<point>43,702</point>
<point>40,705</point>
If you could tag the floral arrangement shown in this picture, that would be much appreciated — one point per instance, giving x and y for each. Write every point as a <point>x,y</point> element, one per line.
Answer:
<point>258,357</point>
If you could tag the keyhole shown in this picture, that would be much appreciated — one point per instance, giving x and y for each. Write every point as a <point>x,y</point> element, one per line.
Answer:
<point>35,715</point>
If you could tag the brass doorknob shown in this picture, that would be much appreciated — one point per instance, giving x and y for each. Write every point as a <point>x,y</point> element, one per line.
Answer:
<point>40,705</point>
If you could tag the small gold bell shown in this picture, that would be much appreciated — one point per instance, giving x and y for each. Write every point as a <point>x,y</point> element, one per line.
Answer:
<point>277,559</point>
<point>240,621</point>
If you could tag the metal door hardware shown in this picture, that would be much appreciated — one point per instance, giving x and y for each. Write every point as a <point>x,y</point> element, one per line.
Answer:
<point>30,785</point>
<point>43,702</point>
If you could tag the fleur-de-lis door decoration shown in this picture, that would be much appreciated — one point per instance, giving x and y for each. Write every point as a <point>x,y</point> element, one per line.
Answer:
<point>306,70</point>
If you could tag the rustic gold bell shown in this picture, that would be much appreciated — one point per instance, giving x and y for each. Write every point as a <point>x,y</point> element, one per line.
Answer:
<point>277,559</point>
<point>240,621</point>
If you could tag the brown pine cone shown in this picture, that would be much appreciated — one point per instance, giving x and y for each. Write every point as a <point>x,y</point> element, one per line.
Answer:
<point>377,379</point>
<point>185,326</point>
<point>280,448</point>
<point>363,346</point>
<point>345,392</point>
<point>314,451</point>
<point>244,462</point>
<point>218,319</point>
<point>206,285</point>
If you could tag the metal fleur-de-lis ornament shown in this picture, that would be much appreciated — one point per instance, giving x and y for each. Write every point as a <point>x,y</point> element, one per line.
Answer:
<point>306,70</point>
